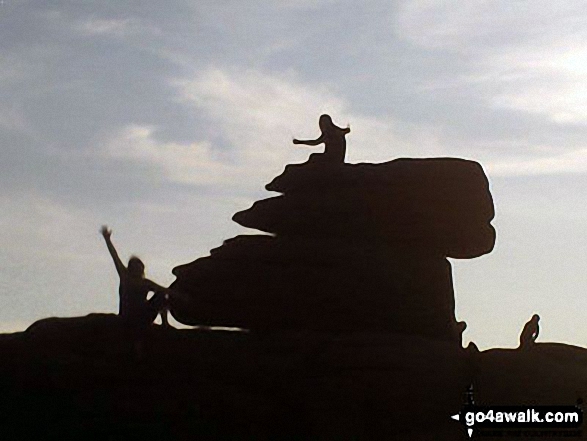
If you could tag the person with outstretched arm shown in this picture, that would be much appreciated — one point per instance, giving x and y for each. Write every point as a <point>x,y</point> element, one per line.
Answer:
<point>134,289</point>
<point>333,138</point>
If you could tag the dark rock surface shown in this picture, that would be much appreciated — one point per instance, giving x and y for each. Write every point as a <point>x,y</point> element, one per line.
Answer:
<point>83,378</point>
<point>353,247</point>
<point>548,373</point>
<point>435,203</point>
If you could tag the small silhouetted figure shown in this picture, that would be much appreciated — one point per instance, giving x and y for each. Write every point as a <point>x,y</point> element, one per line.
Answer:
<point>333,138</point>
<point>530,332</point>
<point>134,289</point>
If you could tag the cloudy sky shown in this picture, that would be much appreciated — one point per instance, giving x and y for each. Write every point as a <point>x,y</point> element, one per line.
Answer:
<point>163,118</point>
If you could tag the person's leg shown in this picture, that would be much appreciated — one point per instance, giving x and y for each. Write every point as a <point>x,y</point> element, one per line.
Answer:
<point>164,320</point>
<point>157,304</point>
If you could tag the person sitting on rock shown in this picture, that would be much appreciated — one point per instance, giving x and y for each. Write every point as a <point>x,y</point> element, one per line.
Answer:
<point>134,307</point>
<point>333,138</point>
<point>530,332</point>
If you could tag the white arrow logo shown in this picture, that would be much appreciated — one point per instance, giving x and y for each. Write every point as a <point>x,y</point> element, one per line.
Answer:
<point>456,418</point>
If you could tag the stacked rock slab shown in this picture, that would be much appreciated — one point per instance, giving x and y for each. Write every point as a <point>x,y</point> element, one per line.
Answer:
<point>352,247</point>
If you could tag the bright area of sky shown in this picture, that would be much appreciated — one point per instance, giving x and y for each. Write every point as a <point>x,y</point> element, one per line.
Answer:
<point>163,118</point>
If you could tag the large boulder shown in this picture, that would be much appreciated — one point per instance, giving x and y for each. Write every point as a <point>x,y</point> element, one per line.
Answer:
<point>352,247</point>
<point>266,283</point>
<point>437,203</point>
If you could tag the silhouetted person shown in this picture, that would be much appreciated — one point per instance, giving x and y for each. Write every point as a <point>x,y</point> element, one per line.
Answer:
<point>134,288</point>
<point>530,332</point>
<point>333,138</point>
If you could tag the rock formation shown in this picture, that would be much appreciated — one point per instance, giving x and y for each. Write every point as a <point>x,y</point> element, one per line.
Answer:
<point>82,378</point>
<point>349,305</point>
<point>352,247</point>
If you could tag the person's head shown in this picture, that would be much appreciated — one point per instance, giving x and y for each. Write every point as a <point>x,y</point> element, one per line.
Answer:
<point>325,122</point>
<point>535,318</point>
<point>136,267</point>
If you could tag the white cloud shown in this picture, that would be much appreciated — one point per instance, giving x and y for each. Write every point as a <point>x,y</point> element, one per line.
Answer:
<point>268,107</point>
<point>50,261</point>
<point>482,26</point>
<point>190,163</point>
<point>117,27</point>
<point>260,113</point>
<point>30,218</point>
<point>446,24</point>
<point>527,56</point>
<point>549,80</point>
<point>569,162</point>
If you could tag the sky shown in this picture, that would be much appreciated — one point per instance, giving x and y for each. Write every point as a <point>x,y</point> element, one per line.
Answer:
<point>162,119</point>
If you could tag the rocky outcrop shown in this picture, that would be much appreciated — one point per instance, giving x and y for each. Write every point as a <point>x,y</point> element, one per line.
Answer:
<point>352,247</point>
<point>91,378</point>
<point>546,373</point>
<point>349,305</point>
<point>441,204</point>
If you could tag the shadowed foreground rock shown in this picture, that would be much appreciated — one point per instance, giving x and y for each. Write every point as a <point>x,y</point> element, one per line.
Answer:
<point>354,247</point>
<point>551,373</point>
<point>81,378</point>
<point>547,374</point>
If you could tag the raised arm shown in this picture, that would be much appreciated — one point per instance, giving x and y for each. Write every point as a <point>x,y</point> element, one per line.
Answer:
<point>311,142</point>
<point>120,268</point>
